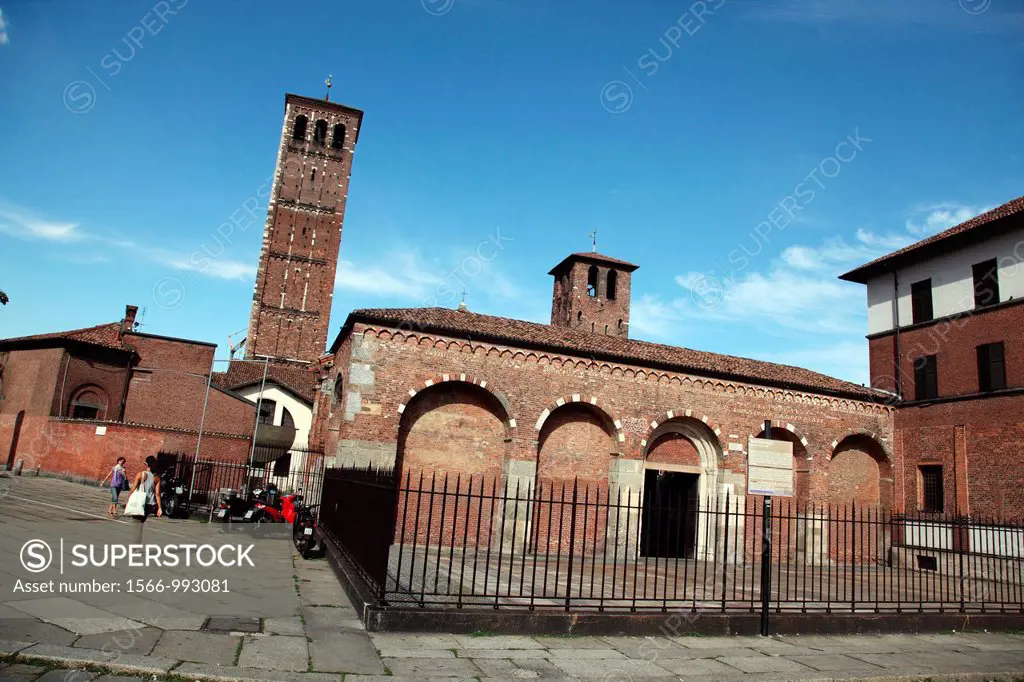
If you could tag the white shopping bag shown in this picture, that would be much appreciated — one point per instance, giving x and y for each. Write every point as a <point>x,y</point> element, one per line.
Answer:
<point>136,505</point>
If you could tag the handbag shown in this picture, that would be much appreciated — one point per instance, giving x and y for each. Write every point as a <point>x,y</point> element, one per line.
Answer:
<point>125,485</point>
<point>136,504</point>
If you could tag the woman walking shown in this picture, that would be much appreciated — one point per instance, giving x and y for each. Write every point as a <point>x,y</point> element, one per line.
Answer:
<point>118,477</point>
<point>148,484</point>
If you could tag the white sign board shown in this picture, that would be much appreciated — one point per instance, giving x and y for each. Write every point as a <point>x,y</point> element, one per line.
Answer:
<point>769,467</point>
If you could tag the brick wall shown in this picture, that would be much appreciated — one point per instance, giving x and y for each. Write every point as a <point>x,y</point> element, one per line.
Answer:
<point>31,380</point>
<point>977,444</point>
<point>381,367</point>
<point>75,449</point>
<point>954,341</point>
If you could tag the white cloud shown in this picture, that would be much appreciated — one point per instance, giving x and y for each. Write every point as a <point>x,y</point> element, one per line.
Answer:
<point>24,224</point>
<point>412,279</point>
<point>221,268</point>
<point>928,220</point>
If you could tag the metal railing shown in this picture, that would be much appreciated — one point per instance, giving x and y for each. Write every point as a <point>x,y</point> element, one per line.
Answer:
<point>204,480</point>
<point>448,540</point>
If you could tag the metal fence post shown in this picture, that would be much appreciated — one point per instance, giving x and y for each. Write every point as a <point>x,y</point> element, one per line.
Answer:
<point>766,562</point>
<point>766,550</point>
<point>572,547</point>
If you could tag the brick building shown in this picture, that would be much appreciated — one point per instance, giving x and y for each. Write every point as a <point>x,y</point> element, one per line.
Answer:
<point>291,303</point>
<point>55,388</point>
<point>513,401</point>
<point>946,335</point>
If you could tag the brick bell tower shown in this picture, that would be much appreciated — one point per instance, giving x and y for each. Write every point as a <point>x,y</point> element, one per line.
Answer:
<point>291,303</point>
<point>592,294</point>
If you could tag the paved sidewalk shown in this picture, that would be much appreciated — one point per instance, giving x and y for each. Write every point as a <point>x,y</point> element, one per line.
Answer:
<point>320,638</point>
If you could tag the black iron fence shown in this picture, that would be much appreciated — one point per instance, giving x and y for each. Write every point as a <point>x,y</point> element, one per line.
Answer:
<point>464,542</point>
<point>298,470</point>
<point>357,513</point>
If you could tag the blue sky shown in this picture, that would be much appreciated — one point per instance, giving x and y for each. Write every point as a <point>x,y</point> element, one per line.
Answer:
<point>743,153</point>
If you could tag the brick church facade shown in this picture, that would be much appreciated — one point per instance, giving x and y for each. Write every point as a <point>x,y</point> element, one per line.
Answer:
<point>516,402</point>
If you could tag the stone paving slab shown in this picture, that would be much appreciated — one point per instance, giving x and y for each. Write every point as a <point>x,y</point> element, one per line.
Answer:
<point>431,668</point>
<point>344,652</point>
<point>70,656</point>
<point>68,676</point>
<point>10,647</point>
<point>117,678</point>
<point>586,654</point>
<point>836,663</point>
<point>496,642</point>
<point>290,625</point>
<point>32,630</point>
<point>398,652</point>
<point>764,664</point>
<point>276,652</point>
<point>400,640</point>
<point>518,669</point>
<point>521,654</point>
<point>203,671</point>
<point>620,669</point>
<point>198,647</point>
<point>20,672</point>
<point>73,615</point>
<point>702,668</point>
<point>139,642</point>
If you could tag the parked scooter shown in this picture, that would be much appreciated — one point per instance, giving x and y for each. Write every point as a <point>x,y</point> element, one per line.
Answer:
<point>173,497</point>
<point>266,506</point>
<point>304,529</point>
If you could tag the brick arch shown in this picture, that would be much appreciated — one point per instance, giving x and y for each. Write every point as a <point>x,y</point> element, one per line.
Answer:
<point>792,429</point>
<point>850,433</point>
<point>591,401</point>
<point>682,414</point>
<point>510,423</point>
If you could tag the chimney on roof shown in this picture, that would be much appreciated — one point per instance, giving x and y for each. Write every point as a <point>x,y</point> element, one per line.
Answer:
<point>130,311</point>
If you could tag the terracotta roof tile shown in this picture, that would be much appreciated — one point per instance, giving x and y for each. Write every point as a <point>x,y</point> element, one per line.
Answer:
<point>1013,207</point>
<point>299,380</point>
<point>531,334</point>
<point>105,335</point>
<point>595,257</point>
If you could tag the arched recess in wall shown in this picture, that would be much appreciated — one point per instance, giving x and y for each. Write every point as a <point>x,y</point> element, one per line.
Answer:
<point>88,402</point>
<point>801,463</point>
<point>860,473</point>
<point>453,427</point>
<point>575,440</point>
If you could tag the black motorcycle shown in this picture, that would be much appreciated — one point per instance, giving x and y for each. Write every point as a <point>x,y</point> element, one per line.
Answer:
<point>304,529</point>
<point>173,495</point>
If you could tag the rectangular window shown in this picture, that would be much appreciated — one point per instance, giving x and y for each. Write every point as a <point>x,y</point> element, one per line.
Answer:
<point>991,367</point>
<point>986,284</point>
<point>921,300</point>
<point>931,489</point>
<point>926,379</point>
<point>267,410</point>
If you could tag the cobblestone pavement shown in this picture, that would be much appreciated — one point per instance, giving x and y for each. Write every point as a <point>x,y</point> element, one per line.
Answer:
<point>319,637</point>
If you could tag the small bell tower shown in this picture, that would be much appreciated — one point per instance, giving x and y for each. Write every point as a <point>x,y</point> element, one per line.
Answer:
<point>591,293</point>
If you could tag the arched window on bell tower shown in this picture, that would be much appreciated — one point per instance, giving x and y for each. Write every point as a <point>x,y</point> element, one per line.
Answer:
<point>592,281</point>
<point>320,132</point>
<point>299,129</point>
<point>613,280</point>
<point>338,138</point>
